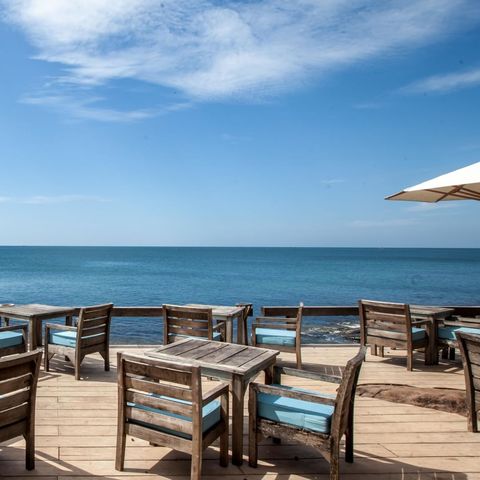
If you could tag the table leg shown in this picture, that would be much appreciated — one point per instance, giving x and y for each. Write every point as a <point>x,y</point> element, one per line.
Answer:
<point>38,333</point>
<point>241,338</point>
<point>32,334</point>
<point>238,397</point>
<point>431,357</point>
<point>229,329</point>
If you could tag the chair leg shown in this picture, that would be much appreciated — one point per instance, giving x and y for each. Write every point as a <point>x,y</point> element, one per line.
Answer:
<point>382,351</point>
<point>196,468</point>
<point>120,451</point>
<point>46,359</point>
<point>30,451</point>
<point>252,432</point>
<point>299,357</point>
<point>334,467</point>
<point>349,437</point>
<point>410,360</point>
<point>472,419</point>
<point>451,353</point>
<point>224,449</point>
<point>445,353</point>
<point>106,359</point>
<point>373,350</point>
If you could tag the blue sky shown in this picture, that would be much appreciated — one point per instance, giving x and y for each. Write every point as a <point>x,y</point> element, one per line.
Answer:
<point>142,122</point>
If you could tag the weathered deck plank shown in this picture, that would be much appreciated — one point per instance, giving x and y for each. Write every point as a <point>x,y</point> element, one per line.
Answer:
<point>76,432</point>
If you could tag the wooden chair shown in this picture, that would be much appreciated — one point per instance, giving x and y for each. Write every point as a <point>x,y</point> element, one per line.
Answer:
<point>384,324</point>
<point>180,322</point>
<point>281,333</point>
<point>18,387</point>
<point>306,416</point>
<point>469,345</point>
<point>247,312</point>
<point>13,339</point>
<point>446,330</point>
<point>91,335</point>
<point>162,402</point>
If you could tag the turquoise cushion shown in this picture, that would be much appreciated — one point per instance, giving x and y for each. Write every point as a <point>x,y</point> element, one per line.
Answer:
<point>216,336</point>
<point>210,414</point>
<point>418,333</point>
<point>299,413</point>
<point>448,333</point>
<point>272,336</point>
<point>67,339</point>
<point>10,339</point>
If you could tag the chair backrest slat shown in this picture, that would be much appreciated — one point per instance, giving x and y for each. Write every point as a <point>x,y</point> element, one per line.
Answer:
<point>287,320</point>
<point>190,321</point>
<point>161,385</point>
<point>469,345</point>
<point>94,320</point>
<point>18,385</point>
<point>346,394</point>
<point>382,319</point>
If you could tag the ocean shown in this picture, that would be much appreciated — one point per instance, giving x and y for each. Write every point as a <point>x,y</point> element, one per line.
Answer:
<point>264,276</point>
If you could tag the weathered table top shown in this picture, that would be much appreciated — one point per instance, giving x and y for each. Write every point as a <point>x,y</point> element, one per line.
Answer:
<point>432,312</point>
<point>218,356</point>
<point>34,310</point>
<point>219,310</point>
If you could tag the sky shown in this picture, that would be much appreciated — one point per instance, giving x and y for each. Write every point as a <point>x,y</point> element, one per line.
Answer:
<point>247,123</point>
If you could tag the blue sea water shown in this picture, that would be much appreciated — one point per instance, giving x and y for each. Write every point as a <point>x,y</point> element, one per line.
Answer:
<point>265,276</point>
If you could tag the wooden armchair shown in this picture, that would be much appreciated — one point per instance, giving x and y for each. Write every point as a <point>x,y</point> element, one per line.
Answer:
<point>281,333</point>
<point>385,324</point>
<point>162,402</point>
<point>469,345</point>
<point>446,330</point>
<point>306,416</point>
<point>180,322</point>
<point>13,339</point>
<point>18,387</point>
<point>90,335</point>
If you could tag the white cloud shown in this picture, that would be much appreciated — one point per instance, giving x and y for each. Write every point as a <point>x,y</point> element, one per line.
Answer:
<point>397,222</point>
<point>211,50</point>
<point>445,83</point>
<point>52,199</point>
<point>432,207</point>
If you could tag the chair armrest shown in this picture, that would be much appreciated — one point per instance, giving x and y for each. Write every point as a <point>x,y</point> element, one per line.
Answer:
<point>14,327</point>
<point>218,326</point>
<point>215,392</point>
<point>463,322</point>
<point>274,326</point>
<point>295,372</point>
<point>58,326</point>
<point>421,322</point>
<point>307,397</point>
<point>276,319</point>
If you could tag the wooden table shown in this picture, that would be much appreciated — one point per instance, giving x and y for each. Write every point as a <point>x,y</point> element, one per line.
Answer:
<point>228,315</point>
<point>434,314</point>
<point>237,364</point>
<point>35,314</point>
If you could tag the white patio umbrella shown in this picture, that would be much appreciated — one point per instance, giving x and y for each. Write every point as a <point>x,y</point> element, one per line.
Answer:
<point>461,184</point>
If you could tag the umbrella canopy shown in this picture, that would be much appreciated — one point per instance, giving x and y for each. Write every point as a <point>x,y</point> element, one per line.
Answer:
<point>461,184</point>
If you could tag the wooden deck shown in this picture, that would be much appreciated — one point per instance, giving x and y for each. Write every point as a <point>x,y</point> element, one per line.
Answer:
<point>76,432</point>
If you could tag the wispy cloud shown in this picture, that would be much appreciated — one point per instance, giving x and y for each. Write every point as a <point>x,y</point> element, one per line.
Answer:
<point>444,83</point>
<point>397,222</point>
<point>90,108</point>
<point>53,199</point>
<point>209,50</point>
<point>432,207</point>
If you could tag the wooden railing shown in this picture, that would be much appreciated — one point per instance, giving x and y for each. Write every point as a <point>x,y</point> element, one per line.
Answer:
<point>308,311</point>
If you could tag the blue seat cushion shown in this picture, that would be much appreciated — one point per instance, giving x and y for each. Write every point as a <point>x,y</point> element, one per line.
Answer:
<point>299,413</point>
<point>67,339</point>
<point>448,333</point>
<point>210,414</point>
<point>418,333</point>
<point>273,336</point>
<point>216,336</point>
<point>10,339</point>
